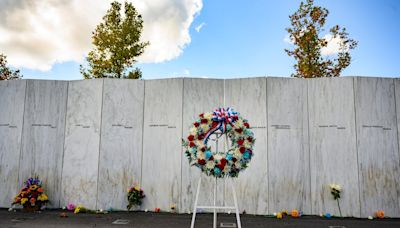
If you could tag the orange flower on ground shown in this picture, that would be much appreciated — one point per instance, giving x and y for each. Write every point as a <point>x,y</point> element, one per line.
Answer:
<point>32,200</point>
<point>380,214</point>
<point>40,190</point>
<point>295,213</point>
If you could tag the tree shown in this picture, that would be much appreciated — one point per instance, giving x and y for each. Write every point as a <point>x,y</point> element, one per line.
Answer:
<point>306,26</point>
<point>5,72</point>
<point>117,44</point>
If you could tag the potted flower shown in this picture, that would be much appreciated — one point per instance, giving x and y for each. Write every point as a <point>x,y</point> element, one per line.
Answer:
<point>31,196</point>
<point>135,196</point>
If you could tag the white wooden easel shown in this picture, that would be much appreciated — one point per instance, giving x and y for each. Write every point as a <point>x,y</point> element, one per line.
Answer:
<point>215,207</point>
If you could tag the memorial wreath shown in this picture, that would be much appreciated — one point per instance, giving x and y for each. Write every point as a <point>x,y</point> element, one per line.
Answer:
<point>220,122</point>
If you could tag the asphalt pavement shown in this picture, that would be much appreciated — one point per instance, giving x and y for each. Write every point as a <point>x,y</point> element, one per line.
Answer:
<point>51,218</point>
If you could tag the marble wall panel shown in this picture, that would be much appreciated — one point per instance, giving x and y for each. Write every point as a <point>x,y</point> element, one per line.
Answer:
<point>12,94</point>
<point>121,141</point>
<point>377,142</point>
<point>288,150</point>
<point>333,153</point>
<point>162,152</point>
<point>199,96</point>
<point>82,142</point>
<point>43,137</point>
<point>248,97</point>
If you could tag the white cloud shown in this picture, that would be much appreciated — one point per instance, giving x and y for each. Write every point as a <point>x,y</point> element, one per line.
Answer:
<point>186,72</point>
<point>199,27</point>
<point>333,46</point>
<point>37,34</point>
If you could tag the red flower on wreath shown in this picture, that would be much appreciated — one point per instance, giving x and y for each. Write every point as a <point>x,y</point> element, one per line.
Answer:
<point>247,125</point>
<point>191,137</point>
<point>201,161</point>
<point>240,142</point>
<point>200,137</point>
<point>203,121</point>
<point>223,161</point>
<point>196,124</point>
<point>239,130</point>
<point>242,150</point>
<point>250,139</point>
<point>191,144</point>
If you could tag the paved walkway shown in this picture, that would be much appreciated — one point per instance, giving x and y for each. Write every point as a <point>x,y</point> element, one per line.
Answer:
<point>51,218</point>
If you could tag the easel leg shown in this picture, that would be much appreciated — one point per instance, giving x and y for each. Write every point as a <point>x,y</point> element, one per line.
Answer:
<point>236,205</point>
<point>215,202</point>
<point>195,204</point>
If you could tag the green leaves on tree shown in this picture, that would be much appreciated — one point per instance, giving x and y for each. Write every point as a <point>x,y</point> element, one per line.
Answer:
<point>5,72</point>
<point>117,44</point>
<point>307,23</point>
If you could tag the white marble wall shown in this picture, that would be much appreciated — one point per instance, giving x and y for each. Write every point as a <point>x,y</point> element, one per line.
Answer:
<point>319,131</point>
<point>288,150</point>
<point>377,142</point>
<point>82,142</point>
<point>196,100</point>
<point>12,100</point>
<point>248,97</point>
<point>121,141</point>
<point>162,151</point>
<point>333,153</point>
<point>43,138</point>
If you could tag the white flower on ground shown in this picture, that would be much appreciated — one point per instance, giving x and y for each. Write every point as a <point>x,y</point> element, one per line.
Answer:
<point>336,187</point>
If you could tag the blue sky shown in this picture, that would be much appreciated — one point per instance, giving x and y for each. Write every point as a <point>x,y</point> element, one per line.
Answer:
<point>246,39</point>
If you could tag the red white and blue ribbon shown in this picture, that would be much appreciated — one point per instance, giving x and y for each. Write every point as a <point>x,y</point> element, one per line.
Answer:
<point>223,117</point>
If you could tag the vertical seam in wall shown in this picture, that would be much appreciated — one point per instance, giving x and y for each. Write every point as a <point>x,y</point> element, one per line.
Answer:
<point>142,150</point>
<point>101,125</point>
<point>224,191</point>
<point>266,148</point>
<point>397,133</point>
<point>355,130</point>
<point>63,148</point>
<point>309,146</point>
<point>22,135</point>
<point>180,154</point>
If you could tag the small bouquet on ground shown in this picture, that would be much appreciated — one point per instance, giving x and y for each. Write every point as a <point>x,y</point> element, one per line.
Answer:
<point>380,214</point>
<point>135,196</point>
<point>31,196</point>
<point>335,191</point>
<point>81,209</point>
